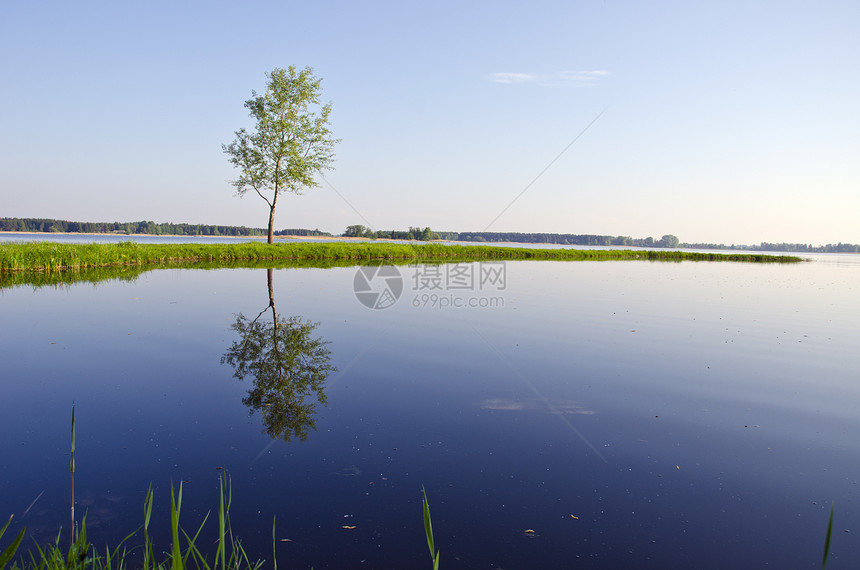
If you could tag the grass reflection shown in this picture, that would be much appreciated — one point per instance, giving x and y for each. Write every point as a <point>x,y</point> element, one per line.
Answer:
<point>68,277</point>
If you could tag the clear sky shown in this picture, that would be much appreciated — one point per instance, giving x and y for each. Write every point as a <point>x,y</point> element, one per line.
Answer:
<point>732,122</point>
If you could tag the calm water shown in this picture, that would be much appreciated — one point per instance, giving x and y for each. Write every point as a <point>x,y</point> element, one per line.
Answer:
<point>630,414</point>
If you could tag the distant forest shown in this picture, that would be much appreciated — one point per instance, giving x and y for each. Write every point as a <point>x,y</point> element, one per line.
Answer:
<point>39,225</point>
<point>789,247</point>
<point>668,240</point>
<point>426,234</point>
<point>413,233</point>
<point>665,241</point>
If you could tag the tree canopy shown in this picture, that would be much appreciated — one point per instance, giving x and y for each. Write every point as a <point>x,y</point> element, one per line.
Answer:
<point>290,141</point>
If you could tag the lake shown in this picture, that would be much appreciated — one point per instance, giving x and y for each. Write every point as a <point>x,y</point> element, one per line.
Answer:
<point>558,414</point>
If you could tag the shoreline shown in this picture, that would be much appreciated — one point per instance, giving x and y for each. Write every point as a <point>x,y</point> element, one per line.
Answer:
<point>174,235</point>
<point>263,237</point>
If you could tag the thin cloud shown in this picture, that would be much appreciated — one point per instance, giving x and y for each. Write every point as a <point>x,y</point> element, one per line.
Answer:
<point>579,77</point>
<point>513,77</point>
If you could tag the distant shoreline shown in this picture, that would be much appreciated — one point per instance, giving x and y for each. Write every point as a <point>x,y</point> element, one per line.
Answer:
<point>263,237</point>
<point>331,238</point>
<point>282,237</point>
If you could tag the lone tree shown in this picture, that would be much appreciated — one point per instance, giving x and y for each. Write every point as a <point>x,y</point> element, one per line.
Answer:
<point>290,141</point>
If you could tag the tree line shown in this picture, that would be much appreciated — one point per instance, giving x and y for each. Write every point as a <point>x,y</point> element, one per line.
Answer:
<point>44,225</point>
<point>40,225</point>
<point>411,234</point>
<point>668,240</point>
<point>569,239</point>
<point>426,234</point>
<point>787,247</point>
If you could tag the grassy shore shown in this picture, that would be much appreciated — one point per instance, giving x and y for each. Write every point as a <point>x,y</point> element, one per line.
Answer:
<point>57,257</point>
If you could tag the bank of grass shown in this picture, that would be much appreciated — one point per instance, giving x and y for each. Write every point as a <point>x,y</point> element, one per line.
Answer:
<point>59,257</point>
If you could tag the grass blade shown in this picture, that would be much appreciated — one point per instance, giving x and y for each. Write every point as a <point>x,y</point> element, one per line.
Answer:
<point>175,506</point>
<point>827,538</point>
<point>428,530</point>
<point>428,523</point>
<point>222,530</point>
<point>274,553</point>
<point>192,544</point>
<point>10,550</point>
<point>72,472</point>
<point>148,554</point>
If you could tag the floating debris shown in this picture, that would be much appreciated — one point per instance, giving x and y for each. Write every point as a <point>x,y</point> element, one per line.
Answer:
<point>350,471</point>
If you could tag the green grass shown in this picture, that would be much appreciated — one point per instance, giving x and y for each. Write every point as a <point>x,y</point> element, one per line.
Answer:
<point>183,552</point>
<point>15,257</point>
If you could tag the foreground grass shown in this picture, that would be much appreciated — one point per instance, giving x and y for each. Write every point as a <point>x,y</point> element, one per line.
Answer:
<point>58,257</point>
<point>184,552</point>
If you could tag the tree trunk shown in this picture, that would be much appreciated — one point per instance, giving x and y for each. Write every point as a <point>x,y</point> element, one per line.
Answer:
<point>271,224</point>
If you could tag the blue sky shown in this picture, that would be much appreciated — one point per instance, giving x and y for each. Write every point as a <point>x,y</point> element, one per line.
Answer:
<point>732,122</point>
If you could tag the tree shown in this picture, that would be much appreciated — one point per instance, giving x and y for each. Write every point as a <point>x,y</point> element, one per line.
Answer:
<point>290,141</point>
<point>669,240</point>
<point>354,231</point>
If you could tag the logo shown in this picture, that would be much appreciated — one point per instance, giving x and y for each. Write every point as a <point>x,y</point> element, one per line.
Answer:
<point>377,286</point>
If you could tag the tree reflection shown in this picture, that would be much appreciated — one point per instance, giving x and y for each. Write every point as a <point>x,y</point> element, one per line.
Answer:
<point>289,368</point>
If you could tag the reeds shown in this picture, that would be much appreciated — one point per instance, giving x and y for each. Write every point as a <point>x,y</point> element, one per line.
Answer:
<point>184,551</point>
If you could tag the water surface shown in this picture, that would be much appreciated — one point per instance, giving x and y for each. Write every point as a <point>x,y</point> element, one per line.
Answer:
<point>630,414</point>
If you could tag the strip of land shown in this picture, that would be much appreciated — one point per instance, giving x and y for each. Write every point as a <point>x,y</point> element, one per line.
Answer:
<point>34,256</point>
